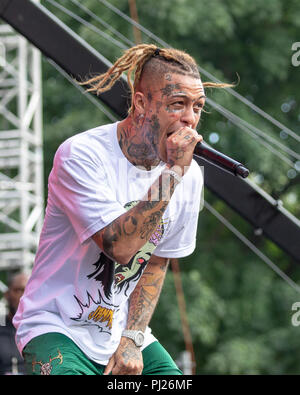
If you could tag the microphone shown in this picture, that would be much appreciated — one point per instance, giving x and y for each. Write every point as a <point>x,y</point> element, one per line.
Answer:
<point>220,160</point>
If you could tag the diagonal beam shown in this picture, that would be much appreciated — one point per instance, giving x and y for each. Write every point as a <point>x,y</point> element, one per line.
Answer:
<point>264,213</point>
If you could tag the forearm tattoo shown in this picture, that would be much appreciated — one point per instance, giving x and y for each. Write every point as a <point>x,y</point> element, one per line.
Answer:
<point>144,297</point>
<point>139,223</point>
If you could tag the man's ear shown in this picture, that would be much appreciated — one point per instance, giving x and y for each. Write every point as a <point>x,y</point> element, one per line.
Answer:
<point>139,103</point>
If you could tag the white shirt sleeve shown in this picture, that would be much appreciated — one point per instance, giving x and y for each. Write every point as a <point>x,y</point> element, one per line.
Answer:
<point>81,189</point>
<point>180,240</point>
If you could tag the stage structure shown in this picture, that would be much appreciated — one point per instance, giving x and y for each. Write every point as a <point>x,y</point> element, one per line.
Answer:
<point>21,157</point>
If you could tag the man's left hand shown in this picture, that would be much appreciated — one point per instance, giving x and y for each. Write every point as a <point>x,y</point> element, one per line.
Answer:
<point>127,359</point>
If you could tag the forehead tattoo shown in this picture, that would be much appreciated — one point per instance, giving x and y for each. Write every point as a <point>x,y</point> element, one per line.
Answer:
<point>169,88</point>
<point>182,90</point>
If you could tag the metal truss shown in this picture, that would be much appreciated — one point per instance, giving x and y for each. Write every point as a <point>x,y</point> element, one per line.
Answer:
<point>21,156</point>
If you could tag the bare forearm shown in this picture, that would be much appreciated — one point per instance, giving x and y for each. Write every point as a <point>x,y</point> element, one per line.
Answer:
<point>128,233</point>
<point>145,296</point>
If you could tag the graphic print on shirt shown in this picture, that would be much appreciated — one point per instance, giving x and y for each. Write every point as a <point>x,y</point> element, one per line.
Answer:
<point>96,312</point>
<point>116,282</point>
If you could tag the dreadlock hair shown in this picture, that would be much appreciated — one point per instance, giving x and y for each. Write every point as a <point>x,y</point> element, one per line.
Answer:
<point>147,58</point>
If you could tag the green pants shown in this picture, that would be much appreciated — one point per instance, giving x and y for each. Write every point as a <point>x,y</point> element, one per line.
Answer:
<point>56,354</point>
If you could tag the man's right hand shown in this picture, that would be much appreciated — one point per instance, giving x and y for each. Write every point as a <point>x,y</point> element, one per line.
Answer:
<point>180,147</point>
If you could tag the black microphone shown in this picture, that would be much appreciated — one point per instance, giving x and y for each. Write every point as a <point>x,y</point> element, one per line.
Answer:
<point>218,159</point>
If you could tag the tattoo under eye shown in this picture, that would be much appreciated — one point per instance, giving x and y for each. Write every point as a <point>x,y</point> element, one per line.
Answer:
<point>175,107</point>
<point>170,110</point>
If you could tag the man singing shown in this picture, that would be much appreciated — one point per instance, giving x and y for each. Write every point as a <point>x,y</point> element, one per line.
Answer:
<point>123,199</point>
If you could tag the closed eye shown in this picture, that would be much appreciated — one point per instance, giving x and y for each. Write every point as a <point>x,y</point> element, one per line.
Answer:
<point>175,106</point>
<point>198,107</point>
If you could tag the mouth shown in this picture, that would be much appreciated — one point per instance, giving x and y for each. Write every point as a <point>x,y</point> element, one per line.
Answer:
<point>170,133</point>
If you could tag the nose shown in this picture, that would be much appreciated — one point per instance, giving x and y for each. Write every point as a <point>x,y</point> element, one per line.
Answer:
<point>189,118</point>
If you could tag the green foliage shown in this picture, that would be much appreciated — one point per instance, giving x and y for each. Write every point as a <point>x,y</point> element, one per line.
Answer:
<point>239,310</point>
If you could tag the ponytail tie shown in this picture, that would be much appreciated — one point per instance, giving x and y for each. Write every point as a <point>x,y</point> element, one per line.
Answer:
<point>157,51</point>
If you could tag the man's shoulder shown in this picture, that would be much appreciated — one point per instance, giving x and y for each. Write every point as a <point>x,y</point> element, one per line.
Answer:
<point>88,143</point>
<point>95,135</point>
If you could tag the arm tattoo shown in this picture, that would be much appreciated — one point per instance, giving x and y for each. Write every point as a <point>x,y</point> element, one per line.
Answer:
<point>149,223</point>
<point>144,298</point>
<point>111,234</point>
<point>136,226</point>
<point>129,225</point>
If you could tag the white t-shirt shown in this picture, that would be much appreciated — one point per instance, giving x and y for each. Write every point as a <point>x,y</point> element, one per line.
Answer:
<point>74,289</point>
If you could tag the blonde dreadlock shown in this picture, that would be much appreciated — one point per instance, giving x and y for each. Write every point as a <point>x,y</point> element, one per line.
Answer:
<point>134,59</point>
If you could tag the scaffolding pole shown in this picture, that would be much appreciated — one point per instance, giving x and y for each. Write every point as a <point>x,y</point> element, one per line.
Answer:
<point>21,155</point>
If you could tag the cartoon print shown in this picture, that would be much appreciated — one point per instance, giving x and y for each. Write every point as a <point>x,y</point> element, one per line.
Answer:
<point>102,314</point>
<point>115,279</point>
<point>104,273</point>
<point>120,277</point>
<point>96,312</point>
<point>125,274</point>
